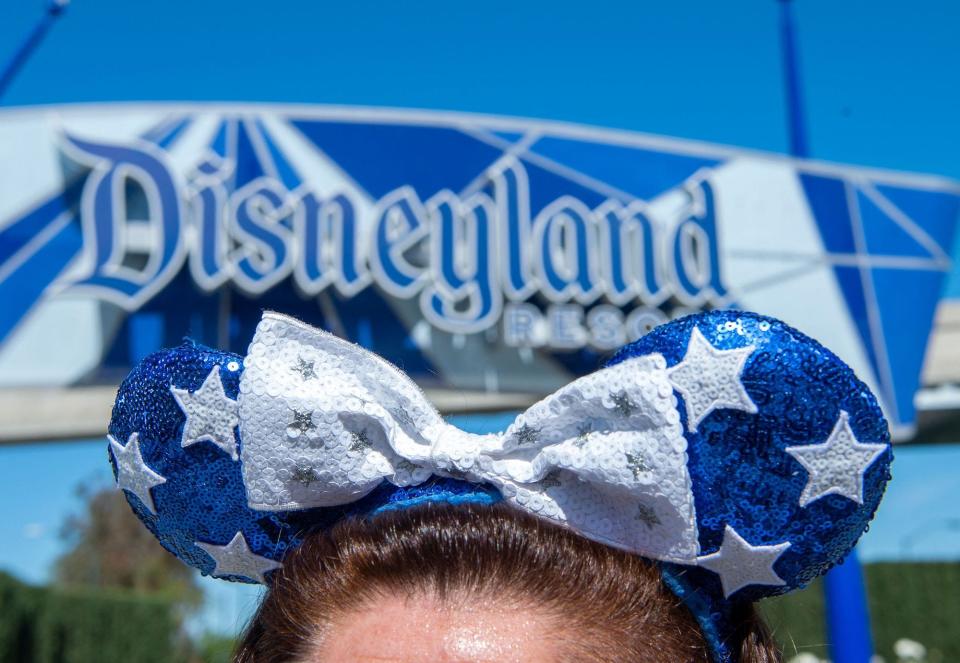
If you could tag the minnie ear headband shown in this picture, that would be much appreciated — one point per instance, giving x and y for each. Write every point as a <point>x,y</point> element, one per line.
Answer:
<point>740,454</point>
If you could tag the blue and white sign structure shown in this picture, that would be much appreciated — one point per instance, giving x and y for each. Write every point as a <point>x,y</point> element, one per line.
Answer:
<point>476,252</point>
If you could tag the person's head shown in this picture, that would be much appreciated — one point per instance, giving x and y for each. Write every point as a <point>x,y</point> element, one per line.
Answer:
<point>475,584</point>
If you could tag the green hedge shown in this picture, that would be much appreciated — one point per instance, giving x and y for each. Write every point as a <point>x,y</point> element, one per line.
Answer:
<point>797,621</point>
<point>918,601</point>
<point>44,625</point>
<point>216,649</point>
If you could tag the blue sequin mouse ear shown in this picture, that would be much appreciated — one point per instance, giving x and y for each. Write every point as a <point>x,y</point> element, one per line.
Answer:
<point>740,454</point>
<point>788,452</point>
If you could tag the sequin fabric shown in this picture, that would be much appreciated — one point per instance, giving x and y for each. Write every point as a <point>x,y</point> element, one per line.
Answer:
<point>745,478</point>
<point>632,461</point>
<point>738,450</point>
<point>202,498</point>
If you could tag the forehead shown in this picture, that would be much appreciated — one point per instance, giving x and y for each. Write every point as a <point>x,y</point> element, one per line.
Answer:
<point>422,628</point>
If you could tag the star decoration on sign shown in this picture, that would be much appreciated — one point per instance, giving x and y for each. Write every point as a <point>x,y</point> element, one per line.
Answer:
<point>709,379</point>
<point>236,559</point>
<point>305,475</point>
<point>304,369</point>
<point>360,440</point>
<point>526,434</point>
<point>740,564</point>
<point>637,464</point>
<point>133,475</point>
<point>647,515</point>
<point>622,404</point>
<point>211,414</point>
<point>837,465</point>
<point>302,422</point>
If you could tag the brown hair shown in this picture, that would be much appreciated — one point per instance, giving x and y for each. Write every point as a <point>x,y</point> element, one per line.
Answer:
<point>613,603</point>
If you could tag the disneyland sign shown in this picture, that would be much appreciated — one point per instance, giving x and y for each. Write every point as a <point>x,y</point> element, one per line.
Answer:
<point>479,251</point>
<point>471,260</point>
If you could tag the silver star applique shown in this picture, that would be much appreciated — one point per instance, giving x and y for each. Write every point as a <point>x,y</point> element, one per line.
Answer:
<point>636,464</point>
<point>526,434</point>
<point>622,404</point>
<point>360,440</point>
<point>236,559</point>
<point>583,432</point>
<point>211,414</point>
<point>836,467</point>
<point>552,480</point>
<point>457,474</point>
<point>133,475</point>
<point>305,369</point>
<point>740,564</point>
<point>709,379</point>
<point>404,418</point>
<point>647,515</point>
<point>406,466</point>
<point>305,475</point>
<point>302,422</point>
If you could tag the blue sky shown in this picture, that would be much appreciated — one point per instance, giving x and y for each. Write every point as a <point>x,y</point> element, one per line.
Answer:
<point>879,76</point>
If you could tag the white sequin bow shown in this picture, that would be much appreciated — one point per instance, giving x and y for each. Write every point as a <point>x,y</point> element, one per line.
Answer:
<point>323,422</point>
